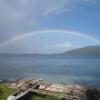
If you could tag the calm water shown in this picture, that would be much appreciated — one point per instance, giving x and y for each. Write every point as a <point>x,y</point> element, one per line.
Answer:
<point>85,71</point>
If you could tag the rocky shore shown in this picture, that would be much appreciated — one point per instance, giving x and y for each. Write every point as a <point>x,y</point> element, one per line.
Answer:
<point>61,91</point>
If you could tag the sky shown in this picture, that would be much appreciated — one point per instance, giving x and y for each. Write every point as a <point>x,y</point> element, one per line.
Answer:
<point>48,26</point>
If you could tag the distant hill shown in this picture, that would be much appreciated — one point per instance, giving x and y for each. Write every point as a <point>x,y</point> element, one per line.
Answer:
<point>85,51</point>
<point>89,51</point>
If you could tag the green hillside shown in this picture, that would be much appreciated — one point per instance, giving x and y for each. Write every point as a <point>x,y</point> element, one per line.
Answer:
<point>85,51</point>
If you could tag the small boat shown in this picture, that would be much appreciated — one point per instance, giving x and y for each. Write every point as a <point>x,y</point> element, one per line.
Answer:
<point>17,95</point>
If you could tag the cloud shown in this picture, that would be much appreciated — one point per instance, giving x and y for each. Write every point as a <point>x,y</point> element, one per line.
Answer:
<point>62,47</point>
<point>66,45</point>
<point>60,6</point>
<point>69,32</point>
<point>22,16</point>
<point>52,41</point>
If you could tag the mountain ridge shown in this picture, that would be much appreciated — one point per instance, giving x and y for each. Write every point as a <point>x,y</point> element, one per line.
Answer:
<point>85,51</point>
<point>79,52</point>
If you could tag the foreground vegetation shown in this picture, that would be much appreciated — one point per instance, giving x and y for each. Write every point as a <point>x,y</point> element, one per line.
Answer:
<point>5,91</point>
<point>36,97</point>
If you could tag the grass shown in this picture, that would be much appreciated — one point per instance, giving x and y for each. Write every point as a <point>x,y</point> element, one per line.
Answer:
<point>5,91</point>
<point>43,97</point>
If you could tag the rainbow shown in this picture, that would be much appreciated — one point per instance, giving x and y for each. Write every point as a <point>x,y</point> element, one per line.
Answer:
<point>48,31</point>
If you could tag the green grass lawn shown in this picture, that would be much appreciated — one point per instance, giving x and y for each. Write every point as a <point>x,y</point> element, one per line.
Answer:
<point>5,91</point>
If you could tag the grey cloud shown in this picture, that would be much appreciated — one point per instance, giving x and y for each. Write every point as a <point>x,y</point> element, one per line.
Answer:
<point>21,16</point>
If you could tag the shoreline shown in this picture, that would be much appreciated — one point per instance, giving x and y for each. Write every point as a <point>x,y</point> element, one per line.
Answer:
<point>10,81</point>
<point>44,87</point>
<point>53,89</point>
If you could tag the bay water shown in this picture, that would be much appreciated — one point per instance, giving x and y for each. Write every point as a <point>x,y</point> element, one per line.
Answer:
<point>67,70</point>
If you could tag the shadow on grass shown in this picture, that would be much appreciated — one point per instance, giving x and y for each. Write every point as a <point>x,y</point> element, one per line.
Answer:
<point>27,96</point>
<point>36,96</point>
